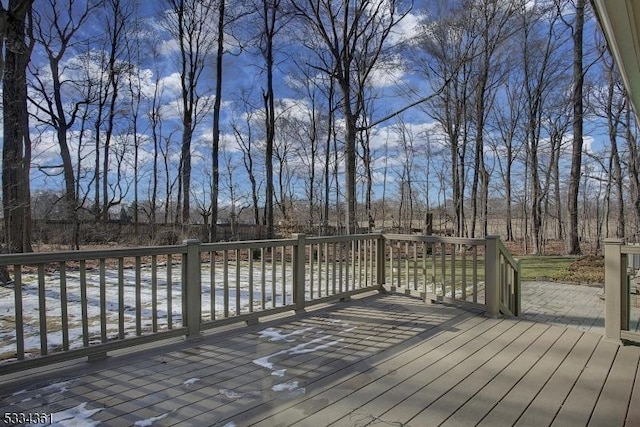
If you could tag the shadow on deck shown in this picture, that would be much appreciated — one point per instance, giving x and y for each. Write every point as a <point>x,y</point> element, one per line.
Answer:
<point>387,359</point>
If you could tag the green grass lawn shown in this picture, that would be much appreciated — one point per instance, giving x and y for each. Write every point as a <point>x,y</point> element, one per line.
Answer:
<point>587,270</point>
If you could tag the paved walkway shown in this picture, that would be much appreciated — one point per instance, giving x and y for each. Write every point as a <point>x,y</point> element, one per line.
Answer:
<point>564,304</point>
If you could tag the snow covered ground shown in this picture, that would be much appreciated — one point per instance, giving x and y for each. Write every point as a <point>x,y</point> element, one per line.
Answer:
<point>30,302</point>
<point>277,283</point>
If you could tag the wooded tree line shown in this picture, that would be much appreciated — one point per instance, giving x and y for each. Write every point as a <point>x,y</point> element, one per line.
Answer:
<point>502,116</point>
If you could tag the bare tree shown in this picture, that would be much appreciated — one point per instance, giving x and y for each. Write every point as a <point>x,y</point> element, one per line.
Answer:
<point>215,178</point>
<point>609,104</point>
<point>491,25</point>
<point>56,26</point>
<point>15,48</point>
<point>190,24</point>
<point>407,154</point>
<point>117,69</point>
<point>541,68</point>
<point>577,28</point>
<point>349,39</point>
<point>272,20</point>
<point>245,140</point>
<point>447,65</point>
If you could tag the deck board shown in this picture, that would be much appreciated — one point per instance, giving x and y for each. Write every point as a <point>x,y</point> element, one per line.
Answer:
<point>515,366</point>
<point>611,408</point>
<point>450,402</point>
<point>394,374</point>
<point>377,359</point>
<point>513,405</point>
<point>426,386</point>
<point>362,374</point>
<point>548,402</point>
<point>577,407</point>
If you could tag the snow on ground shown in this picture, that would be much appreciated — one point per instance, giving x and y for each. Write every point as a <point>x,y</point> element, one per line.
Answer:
<point>277,335</point>
<point>30,303</point>
<point>191,381</point>
<point>150,421</point>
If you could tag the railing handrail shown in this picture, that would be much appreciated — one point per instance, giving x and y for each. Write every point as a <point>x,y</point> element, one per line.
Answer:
<point>507,255</point>
<point>476,241</point>
<point>246,244</point>
<point>630,249</point>
<point>342,239</point>
<point>31,258</point>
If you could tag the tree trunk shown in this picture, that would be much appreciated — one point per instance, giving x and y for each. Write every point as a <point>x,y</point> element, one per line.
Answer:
<point>16,150</point>
<point>573,241</point>
<point>215,184</point>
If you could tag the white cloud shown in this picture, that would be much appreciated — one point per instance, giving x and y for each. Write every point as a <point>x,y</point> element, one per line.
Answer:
<point>171,86</point>
<point>386,76</point>
<point>407,29</point>
<point>168,47</point>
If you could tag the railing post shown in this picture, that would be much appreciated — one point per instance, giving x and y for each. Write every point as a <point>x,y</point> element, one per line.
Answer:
<point>517,288</point>
<point>492,276</point>
<point>299,272</point>
<point>192,289</point>
<point>615,283</point>
<point>381,273</point>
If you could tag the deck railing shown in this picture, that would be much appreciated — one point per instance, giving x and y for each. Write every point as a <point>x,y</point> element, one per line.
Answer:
<point>457,270</point>
<point>87,303</point>
<point>617,290</point>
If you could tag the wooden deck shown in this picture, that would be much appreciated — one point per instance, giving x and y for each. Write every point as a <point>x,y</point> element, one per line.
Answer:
<point>378,360</point>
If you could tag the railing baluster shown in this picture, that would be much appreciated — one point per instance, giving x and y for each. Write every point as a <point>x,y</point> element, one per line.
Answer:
<point>274,262</point>
<point>340,265</point>
<point>434,285</point>
<point>83,303</point>
<point>424,266</point>
<point>284,276</point>
<point>369,278</point>
<point>42,310</point>
<point>250,255</point>
<point>17,288</point>
<point>225,283</point>
<point>454,249</point>
<point>399,266</point>
<point>407,270</point>
<point>326,268</point>
<point>443,267</point>
<point>263,278</point>
<point>154,293</point>
<point>138,286</point>
<point>212,281</point>
<point>364,267</point>
<point>237,282</point>
<point>121,332</point>
<point>355,256</point>
<point>464,273</point>
<point>320,253</point>
<point>311,256</point>
<point>475,274</point>
<point>391,266</point>
<point>333,269</point>
<point>103,300</point>
<point>170,291</point>
<point>415,266</point>
<point>64,308</point>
